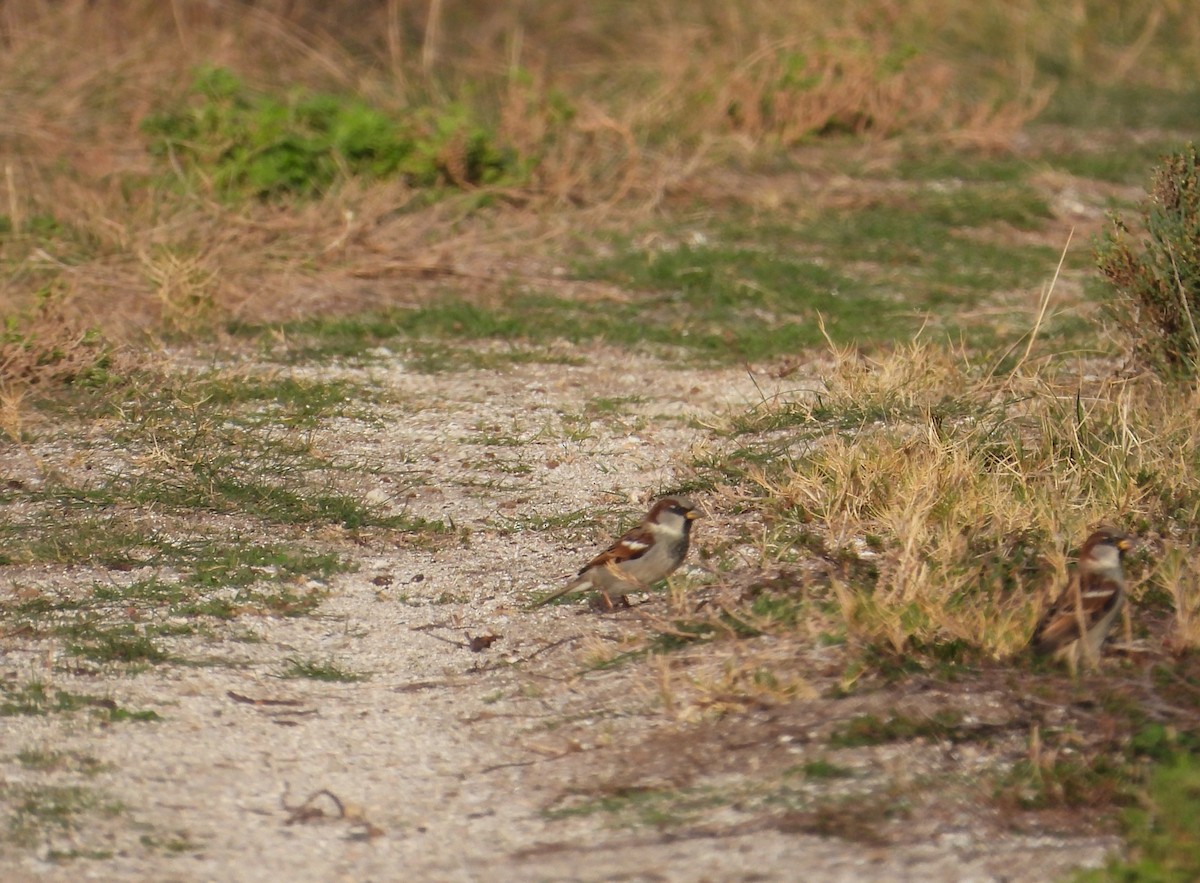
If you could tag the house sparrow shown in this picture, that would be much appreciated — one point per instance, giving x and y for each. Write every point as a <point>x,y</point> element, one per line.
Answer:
<point>1089,604</point>
<point>648,553</point>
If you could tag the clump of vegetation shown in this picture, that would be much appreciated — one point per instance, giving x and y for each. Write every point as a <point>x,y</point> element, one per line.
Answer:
<point>42,345</point>
<point>1158,278</point>
<point>249,143</point>
<point>867,729</point>
<point>38,813</point>
<point>321,670</point>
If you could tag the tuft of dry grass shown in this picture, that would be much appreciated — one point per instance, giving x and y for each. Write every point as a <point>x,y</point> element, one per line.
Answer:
<point>1178,574</point>
<point>730,680</point>
<point>46,346</point>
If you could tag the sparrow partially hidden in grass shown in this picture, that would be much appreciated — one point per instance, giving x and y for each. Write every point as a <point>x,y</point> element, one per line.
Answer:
<point>648,553</point>
<point>1075,626</point>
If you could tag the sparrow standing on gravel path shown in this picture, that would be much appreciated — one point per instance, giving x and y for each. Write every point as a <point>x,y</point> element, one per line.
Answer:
<point>1087,607</point>
<point>648,553</point>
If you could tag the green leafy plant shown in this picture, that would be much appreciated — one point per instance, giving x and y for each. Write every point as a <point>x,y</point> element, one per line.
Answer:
<point>246,142</point>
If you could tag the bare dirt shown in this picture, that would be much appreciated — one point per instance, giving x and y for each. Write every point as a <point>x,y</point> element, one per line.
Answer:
<point>521,760</point>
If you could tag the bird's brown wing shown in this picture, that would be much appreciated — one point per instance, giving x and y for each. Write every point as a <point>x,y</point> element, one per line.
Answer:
<point>629,547</point>
<point>1075,612</point>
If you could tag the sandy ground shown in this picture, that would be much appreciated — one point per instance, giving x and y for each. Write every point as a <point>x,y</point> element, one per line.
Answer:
<point>449,764</point>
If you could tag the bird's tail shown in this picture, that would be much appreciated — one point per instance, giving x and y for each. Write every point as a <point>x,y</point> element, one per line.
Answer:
<point>575,585</point>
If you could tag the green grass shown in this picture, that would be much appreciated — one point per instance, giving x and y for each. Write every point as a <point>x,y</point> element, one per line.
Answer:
<point>741,284</point>
<point>125,644</point>
<point>436,356</point>
<point>752,286</point>
<point>49,761</point>
<point>173,844</point>
<point>1130,165</point>
<point>855,817</point>
<point>63,819</point>
<point>95,626</point>
<point>1116,107</point>
<point>321,670</point>
<point>238,450</point>
<point>229,563</point>
<point>868,729</point>
<point>425,339</point>
<point>966,170</point>
<point>823,769</point>
<point>143,400</point>
<point>217,442</point>
<point>1163,831</point>
<point>718,305</point>
<point>34,698</point>
<point>38,812</point>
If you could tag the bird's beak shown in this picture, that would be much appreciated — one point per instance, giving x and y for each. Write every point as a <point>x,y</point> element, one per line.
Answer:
<point>693,515</point>
<point>1125,544</point>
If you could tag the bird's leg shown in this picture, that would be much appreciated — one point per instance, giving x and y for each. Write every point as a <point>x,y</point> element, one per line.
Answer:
<point>603,603</point>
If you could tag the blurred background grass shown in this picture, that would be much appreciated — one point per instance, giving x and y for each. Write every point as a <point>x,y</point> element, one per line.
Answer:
<point>169,166</point>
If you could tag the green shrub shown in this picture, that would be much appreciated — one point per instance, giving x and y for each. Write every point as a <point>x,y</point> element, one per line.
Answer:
<point>1158,279</point>
<point>248,143</point>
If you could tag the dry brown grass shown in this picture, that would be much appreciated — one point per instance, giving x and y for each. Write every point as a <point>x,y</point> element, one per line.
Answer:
<point>967,492</point>
<point>1178,574</point>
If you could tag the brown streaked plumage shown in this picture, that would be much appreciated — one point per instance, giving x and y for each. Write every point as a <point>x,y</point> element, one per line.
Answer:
<point>1090,603</point>
<point>643,556</point>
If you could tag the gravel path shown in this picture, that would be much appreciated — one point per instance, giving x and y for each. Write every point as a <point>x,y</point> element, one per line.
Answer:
<point>443,762</point>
